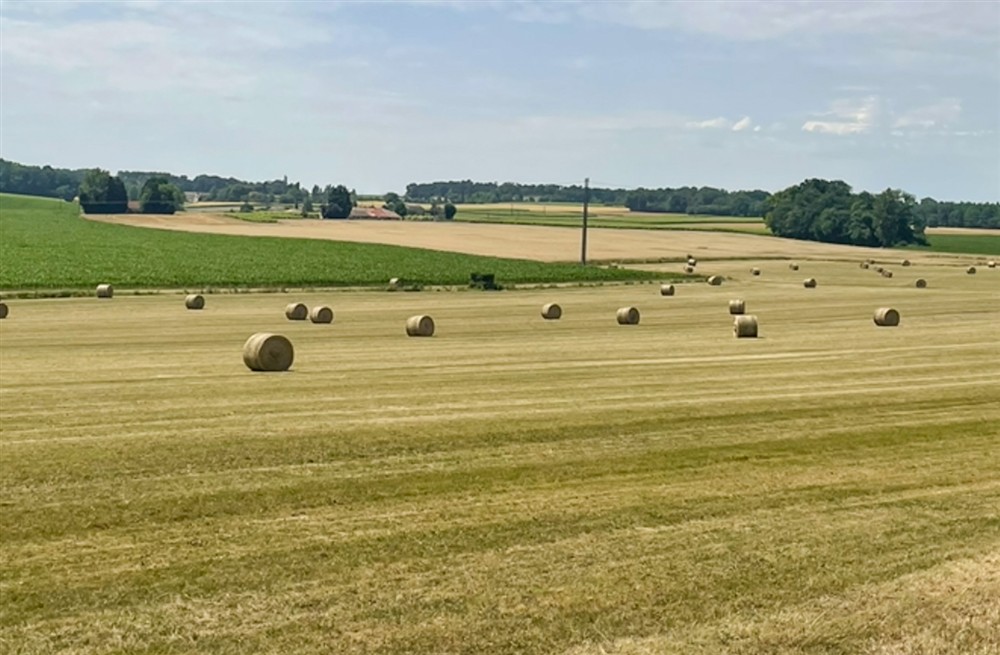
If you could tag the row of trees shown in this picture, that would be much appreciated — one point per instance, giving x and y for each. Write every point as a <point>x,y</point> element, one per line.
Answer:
<point>103,193</point>
<point>683,200</point>
<point>66,183</point>
<point>823,210</point>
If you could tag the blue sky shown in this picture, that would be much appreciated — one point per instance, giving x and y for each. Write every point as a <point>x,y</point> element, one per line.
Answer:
<point>377,94</point>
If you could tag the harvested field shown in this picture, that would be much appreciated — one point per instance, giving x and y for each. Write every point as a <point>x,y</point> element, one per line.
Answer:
<point>524,241</point>
<point>547,487</point>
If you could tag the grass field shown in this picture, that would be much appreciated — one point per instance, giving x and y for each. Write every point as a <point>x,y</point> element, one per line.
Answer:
<point>46,245</point>
<point>511,485</point>
<point>981,244</point>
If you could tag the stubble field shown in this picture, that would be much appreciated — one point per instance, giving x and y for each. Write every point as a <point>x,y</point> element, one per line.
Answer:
<point>510,485</point>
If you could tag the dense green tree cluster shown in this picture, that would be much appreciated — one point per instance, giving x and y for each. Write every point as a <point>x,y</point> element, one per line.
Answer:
<point>39,180</point>
<point>102,193</point>
<point>698,200</point>
<point>339,202</point>
<point>159,196</point>
<point>396,204</point>
<point>959,214</point>
<point>823,210</point>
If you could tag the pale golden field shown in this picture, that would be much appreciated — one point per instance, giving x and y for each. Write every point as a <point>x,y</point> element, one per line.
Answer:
<point>511,485</point>
<point>536,242</point>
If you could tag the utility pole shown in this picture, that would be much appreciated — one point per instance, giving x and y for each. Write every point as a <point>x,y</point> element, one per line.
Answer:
<point>583,239</point>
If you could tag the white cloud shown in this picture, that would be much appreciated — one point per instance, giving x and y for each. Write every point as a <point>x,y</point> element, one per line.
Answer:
<point>850,117</point>
<point>756,128</point>
<point>940,113</point>
<point>742,124</point>
<point>718,123</point>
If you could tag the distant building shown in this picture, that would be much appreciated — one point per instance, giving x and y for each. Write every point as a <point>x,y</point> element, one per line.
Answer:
<point>375,213</point>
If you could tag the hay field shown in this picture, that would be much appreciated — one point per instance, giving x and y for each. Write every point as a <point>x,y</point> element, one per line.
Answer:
<point>541,243</point>
<point>511,485</point>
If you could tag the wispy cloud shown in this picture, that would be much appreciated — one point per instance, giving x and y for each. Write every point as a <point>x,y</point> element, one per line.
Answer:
<point>718,123</point>
<point>848,117</point>
<point>945,112</point>
<point>742,124</point>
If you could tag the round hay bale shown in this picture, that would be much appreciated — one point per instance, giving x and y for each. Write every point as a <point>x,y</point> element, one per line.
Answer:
<point>194,301</point>
<point>666,289</point>
<point>865,265</point>
<point>689,269</point>
<point>551,311</point>
<point>296,311</point>
<point>4,310</point>
<point>420,326</point>
<point>991,264</point>
<point>754,271</point>
<point>321,314</point>
<point>105,291</point>
<point>809,283</point>
<point>715,280</point>
<point>921,283</point>
<point>627,316</point>
<point>886,317</point>
<point>692,261</point>
<point>971,270</point>
<point>879,269</point>
<point>886,273</point>
<point>737,306</point>
<point>745,327</point>
<point>395,283</point>
<point>905,262</point>
<point>793,266</point>
<point>268,352</point>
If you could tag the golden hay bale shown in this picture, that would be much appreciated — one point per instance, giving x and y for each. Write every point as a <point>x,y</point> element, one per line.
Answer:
<point>666,289</point>
<point>296,311</point>
<point>715,280</point>
<point>886,317</point>
<point>420,326</point>
<point>627,316</point>
<point>921,283</point>
<point>321,314</point>
<point>745,327</point>
<point>194,301</point>
<point>793,266</point>
<point>886,273</point>
<point>689,269</point>
<point>3,310</point>
<point>809,283</point>
<point>268,352</point>
<point>105,291</point>
<point>692,261</point>
<point>754,271</point>
<point>905,262</point>
<point>551,311</point>
<point>971,270</point>
<point>991,264</point>
<point>879,269</point>
<point>737,306</point>
<point>395,283</point>
<point>865,265</point>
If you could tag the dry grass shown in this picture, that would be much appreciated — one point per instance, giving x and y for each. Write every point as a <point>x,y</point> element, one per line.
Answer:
<point>547,487</point>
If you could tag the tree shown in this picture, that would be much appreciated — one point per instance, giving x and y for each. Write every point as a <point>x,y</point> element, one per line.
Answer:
<point>307,207</point>
<point>449,211</point>
<point>394,203</point>
<point>338,202</point>
<point>100,193</point>
<point>159,196</point>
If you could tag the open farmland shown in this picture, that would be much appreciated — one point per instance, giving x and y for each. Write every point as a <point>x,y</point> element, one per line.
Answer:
<point>511,485</point>
<point>47,245</point>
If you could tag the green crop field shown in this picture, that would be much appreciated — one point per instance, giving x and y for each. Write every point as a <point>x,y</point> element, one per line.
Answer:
<point>511,485</point>
<point>603,217</point>
<point>46,245</point>
<point>982,244</point>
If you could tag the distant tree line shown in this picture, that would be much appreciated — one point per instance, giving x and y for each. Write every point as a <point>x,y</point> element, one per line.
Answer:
<point>823,210</point>
<point>683,200</point>
<point>65,183</point>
